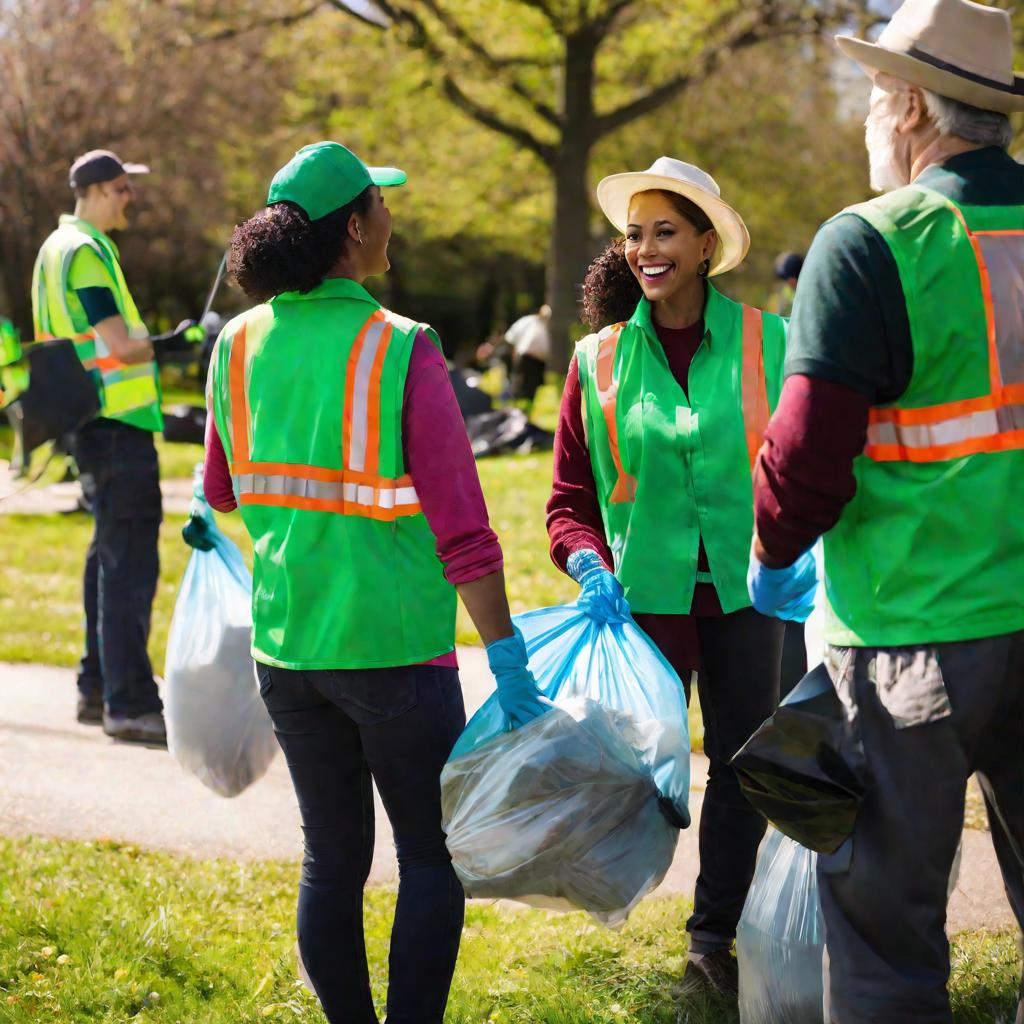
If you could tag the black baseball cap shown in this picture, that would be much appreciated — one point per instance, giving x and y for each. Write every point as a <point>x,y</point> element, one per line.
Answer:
<point>99,165</point>
<point>788,264</point>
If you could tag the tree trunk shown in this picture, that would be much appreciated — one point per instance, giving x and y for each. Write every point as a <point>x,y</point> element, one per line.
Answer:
<point>569,252</point>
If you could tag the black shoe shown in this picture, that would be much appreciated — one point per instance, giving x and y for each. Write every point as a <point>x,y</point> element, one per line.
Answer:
<point>148,728</point>
<point>714,974</point>
<point>90,709</point>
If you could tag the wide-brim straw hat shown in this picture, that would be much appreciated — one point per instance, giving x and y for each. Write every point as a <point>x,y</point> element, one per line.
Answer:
<point>955,48</point>
<point>615,193</point>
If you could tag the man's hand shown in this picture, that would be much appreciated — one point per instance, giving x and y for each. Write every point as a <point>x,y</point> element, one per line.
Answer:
<point>785,593</point>
<point>121,345</point>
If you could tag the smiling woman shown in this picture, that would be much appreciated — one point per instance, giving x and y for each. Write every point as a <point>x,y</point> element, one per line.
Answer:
<point>652,503</point>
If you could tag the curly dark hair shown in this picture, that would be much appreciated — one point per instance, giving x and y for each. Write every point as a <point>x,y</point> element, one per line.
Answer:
<point>610,289</point>
<point>281,250</point>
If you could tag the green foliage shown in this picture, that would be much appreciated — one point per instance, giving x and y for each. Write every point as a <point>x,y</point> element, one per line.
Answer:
<point>103,932</point>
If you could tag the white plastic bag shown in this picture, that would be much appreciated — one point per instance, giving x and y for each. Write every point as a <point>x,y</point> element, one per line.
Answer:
<point>562,813</point>
<point>218,728</point>
<point>780,941</point>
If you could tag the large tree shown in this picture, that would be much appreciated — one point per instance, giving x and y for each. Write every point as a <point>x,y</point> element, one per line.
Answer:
<point>558,76</point>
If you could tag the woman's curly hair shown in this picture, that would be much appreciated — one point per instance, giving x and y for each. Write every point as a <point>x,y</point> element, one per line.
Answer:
<point>610,289</point>
<point>281,250</point>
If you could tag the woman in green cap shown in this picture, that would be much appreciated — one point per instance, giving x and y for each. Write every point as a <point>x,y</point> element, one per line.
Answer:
<point>335,429</point>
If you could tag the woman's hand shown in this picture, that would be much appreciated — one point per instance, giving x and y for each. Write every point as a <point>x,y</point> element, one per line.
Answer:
<point>783,593</point>
<point>601,596</point>
<point>518,694</point>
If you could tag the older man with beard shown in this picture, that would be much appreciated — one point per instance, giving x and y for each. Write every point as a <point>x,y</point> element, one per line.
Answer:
<point>900,437</point>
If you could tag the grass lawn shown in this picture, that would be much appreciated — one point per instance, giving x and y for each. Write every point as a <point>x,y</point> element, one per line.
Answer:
<point>103,933</point>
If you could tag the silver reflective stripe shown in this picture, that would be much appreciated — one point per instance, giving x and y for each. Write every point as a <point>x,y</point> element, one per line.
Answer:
<point>1004,260</point>
<point>952,431</point>
<point>322,490</point>
<point>361,394</point>
<point>293,486</point>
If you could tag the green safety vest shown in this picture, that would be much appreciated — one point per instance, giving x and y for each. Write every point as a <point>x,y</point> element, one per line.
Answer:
<point>672,467</point>
<point>127,393</point>
<point>307,392</point>
<point>13,371</point>
<point>931,549</point>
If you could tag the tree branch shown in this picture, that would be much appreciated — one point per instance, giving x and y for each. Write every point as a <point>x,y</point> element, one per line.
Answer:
<point>455,94</point>
<point>278,21</point>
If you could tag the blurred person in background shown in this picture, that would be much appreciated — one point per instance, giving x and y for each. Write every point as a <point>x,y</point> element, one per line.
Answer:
<point>530,341</point>
<point>787,270</point>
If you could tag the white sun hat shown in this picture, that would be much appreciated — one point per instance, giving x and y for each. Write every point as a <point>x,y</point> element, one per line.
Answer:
<point>954,48</point>
<point>615,192</point>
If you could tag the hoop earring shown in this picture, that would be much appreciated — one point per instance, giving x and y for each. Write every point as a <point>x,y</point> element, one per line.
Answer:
<point>704,268</point>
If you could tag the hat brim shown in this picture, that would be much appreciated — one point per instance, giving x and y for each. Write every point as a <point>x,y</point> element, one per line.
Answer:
<point>387,176</point>
<point>874,58</point>
<point>615,192</point>
<point>135,168</point>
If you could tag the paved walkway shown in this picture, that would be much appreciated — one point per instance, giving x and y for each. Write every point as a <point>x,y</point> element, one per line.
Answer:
<point>59,778</point>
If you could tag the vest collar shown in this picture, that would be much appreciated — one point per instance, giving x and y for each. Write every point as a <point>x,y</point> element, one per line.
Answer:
<point>332,288</point>
<point>87,229</point>
<point>715,304</point>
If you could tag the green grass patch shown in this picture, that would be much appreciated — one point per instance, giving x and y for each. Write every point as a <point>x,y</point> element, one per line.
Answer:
<point>104,933</point>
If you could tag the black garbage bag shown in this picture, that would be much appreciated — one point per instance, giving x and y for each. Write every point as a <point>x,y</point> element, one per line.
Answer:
<point>505,432</point>
<point>60,399</point>
<point>804,767</point>
<point>472,401</point>
<point>185,424</point>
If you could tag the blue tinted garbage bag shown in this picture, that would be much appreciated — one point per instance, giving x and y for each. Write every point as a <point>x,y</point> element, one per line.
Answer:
<point>780,941</point>
<point>616,665</point>
<point>218,728</point>
<point>562,813</point>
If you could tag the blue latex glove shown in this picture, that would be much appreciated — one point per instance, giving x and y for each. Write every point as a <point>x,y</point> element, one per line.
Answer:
<point>518,694</point>
<point>601,595</point>
<point>784,593</point>
<point>199,532</point>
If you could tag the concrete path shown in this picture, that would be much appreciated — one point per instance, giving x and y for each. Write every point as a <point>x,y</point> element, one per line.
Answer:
<point>49,499</point>
<point>59,778</point>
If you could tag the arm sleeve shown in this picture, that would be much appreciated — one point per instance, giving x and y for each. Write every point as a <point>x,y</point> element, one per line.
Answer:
<point>804,477</point>
<point>574,515</point>
<point>440,461</point>
<point>217,487</point>
<point>849,322</point>
<point>91,282</point>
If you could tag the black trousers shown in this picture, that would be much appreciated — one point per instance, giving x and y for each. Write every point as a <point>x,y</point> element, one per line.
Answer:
<point>339,730</point>
<point>119,469</point>
<point>928,718</point>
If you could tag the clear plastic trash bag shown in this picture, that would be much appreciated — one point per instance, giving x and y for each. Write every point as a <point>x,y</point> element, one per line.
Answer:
<point>616,665</point>
<point>562,813</point>
<point>780,941</point>
<point>218,728</point>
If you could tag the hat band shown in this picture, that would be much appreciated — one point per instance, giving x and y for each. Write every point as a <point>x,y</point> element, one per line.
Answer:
<point>1016,88</point>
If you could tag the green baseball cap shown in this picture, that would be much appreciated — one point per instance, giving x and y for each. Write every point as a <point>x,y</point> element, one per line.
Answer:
<point>324,176</point>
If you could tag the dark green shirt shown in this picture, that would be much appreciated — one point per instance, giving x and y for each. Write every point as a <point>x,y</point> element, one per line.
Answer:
<point>849,321</point>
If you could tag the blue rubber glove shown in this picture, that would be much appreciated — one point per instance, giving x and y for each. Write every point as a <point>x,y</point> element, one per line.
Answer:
<point>601,595</point>
<point>518,694</point>
<point>783,593</point>
<point>199,532</point>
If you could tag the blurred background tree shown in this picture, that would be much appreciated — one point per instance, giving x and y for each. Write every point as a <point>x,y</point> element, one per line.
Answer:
<point>505,115</point>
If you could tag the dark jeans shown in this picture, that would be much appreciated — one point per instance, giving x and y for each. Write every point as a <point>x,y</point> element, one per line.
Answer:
<point>794,658</point>
<point>928,718</point>
<point>119,469</point>
<point>738,685</point>
<point>339,730</point>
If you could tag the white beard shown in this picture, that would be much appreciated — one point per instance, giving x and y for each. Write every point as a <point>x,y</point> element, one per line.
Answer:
<point>887,173</point>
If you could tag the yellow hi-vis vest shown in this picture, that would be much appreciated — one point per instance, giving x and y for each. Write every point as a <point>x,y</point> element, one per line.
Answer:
<point>127,393</point>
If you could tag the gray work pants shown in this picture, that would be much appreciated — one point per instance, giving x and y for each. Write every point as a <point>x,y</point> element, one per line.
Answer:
<point>928,717</point>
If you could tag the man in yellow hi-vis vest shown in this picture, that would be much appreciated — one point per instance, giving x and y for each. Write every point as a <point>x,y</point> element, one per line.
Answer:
<point>79,292</point>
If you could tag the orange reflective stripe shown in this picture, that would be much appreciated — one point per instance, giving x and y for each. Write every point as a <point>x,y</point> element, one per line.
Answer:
<point>1008,441</point>
<point>239,398</point>
<point>607,394</point>
<point>1011,395</point>
<point>754,388</point>
<point>995,376</point>
<point>348,423</point>
<point>372,404</point>
<point>348,508</point>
